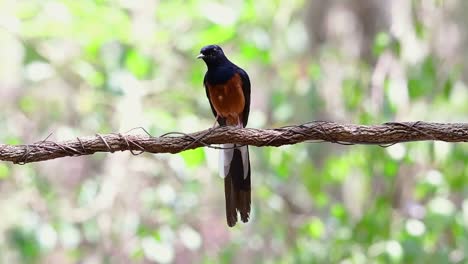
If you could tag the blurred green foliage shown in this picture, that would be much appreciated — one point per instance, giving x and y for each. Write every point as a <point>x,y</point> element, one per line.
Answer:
<point>77,68</point>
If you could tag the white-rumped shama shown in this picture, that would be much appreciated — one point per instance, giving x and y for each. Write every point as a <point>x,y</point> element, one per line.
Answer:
<point>228,90</point>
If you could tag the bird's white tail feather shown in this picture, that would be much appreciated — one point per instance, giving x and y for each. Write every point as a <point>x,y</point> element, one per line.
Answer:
<point>225,158</point>
<point>245,160</point>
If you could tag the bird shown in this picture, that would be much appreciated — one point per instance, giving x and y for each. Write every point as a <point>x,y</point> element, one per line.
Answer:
<point>227,87</point>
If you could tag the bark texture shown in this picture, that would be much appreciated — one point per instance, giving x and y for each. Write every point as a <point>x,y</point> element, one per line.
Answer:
<point>385,134</point>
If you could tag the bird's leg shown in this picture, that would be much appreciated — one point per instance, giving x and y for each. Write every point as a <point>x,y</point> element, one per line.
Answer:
<point>215,122</point>
<point>239,123</point>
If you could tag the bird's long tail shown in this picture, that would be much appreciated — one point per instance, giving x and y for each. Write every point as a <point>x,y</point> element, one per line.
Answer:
<point>235,168</point>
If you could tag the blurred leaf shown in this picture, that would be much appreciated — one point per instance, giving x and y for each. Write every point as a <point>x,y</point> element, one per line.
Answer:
<point>87,194</point>
<point>216,35</point>
<point>138,64</point>
<point>339,212</point>
<point>338,168</point>
<point>91,231</point>
<point>391,168</point>
<point>25,243</point>
<point>352,93</point>
<point>448,87</point>
<point>315,71</point>
<point>420,29</point>
<point>138,254</point>
<point>28,104</point>
<point>4,171</point>
<point>194,157</point>
<point>381,43</point>
<point>13,140</point>
<point>316,228</point>
<point>282,162</point>
<point>162,121</point>
<point>321,199</point>
<point>424,80</point>
<point>312,180</point>
<point>252,52</point>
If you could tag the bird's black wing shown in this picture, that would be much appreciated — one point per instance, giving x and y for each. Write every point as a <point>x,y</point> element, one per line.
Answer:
<point>246,89</point>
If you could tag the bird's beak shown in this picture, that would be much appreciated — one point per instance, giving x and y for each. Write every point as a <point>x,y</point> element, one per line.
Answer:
<point>200,56</point>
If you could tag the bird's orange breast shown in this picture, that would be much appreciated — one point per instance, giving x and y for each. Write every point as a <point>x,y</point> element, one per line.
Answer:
<point>228,99</point>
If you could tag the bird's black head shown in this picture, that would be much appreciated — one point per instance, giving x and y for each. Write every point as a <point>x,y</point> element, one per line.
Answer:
<point>212,55</point>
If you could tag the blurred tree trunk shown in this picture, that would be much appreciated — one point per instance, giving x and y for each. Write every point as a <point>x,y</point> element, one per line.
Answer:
<point>368,16</point>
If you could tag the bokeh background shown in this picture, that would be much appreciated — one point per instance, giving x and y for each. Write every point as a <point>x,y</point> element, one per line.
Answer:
<point>76,68</point>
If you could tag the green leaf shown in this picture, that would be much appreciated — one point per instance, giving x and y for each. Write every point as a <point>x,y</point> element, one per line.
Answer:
<point>390,168</point>
<point>316,228</point>
<point>282,159</point>
<point>138,64</point>
<point>193,158</point>
<point>448,87</point>
<point>216,34</point>
<point>252,52</point>
<point>315,71</point>
<point>28,104</point>
<point>339,212</point>
<point>352,93</point>
<point>13,140</point>
<point>421,30</point>
<point>25,243</point>
<point>321,199</point>
<point>4,171</point>
<point>424,81</point>
<point>381,43</point>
